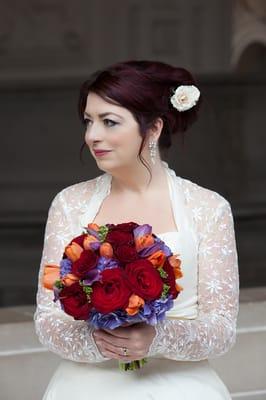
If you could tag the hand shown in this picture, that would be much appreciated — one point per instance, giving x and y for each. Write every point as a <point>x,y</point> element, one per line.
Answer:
<point>136,338</point>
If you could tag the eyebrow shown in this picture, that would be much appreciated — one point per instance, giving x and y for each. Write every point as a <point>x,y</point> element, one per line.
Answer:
<point>104,114</point>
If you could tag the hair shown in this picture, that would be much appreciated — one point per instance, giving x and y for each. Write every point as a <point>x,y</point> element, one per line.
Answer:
<point>144,88</point>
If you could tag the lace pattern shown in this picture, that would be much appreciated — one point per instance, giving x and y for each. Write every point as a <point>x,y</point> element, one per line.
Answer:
<point>211,334</point>
<point>56,330</point>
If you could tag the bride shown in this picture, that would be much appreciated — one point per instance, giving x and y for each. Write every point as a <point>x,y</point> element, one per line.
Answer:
<point>130,111</point>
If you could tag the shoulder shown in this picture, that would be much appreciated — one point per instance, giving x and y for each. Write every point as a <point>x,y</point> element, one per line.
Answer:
<point>75,195</point>
<point>202,200</point>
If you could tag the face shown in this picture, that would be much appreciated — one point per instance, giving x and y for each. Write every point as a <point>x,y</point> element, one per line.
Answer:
<point>113,128</point>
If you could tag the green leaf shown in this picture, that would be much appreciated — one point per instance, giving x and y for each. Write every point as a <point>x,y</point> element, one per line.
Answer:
<point>103,230</point>
<point>59,284</point>
<point>162,273</point>
<point>165,291</point>
<point>87,289</point>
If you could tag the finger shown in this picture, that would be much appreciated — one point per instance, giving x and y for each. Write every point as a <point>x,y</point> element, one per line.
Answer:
<point>133,354</point>
<point>113,344</point>
<point>111,339</point>
<point>127,359</point>
<point>123,333</point>
<point>110,351</point>
<point>100,347</point>
<point>109,354</point>
<point>114,347</point>
<point>116,342</point>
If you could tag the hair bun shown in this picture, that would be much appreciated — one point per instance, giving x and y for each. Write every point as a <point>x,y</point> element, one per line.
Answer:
<point>149,90</point>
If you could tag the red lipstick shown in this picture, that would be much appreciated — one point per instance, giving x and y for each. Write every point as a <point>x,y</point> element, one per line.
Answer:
<point>100,152</point>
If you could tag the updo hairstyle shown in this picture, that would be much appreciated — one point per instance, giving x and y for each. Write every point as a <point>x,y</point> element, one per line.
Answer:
<point>144,88</point>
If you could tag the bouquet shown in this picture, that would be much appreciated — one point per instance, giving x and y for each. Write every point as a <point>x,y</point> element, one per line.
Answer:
<point>116,275</point>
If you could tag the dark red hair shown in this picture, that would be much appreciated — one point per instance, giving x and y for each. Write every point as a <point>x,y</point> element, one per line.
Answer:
<point>144,88</point>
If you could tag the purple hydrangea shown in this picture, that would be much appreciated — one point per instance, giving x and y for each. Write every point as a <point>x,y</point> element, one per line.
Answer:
<point>142,230</point>
<point>108,321</point>
<point>151,313</point>
<point>154,311</point>
<point>156,246</point>
<point>92,276</point>
<point>95,245</point>
<point>65,267</point>
<point>167,251</point>
<point>92,232</point>
<point>106,263</point>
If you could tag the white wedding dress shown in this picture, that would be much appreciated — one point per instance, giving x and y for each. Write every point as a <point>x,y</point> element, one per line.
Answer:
<point>201,325</point>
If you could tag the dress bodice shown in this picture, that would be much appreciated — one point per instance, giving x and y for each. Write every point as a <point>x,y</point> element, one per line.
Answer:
<point>204,314</point>
<point>185,305</point>
<point>183,241</point>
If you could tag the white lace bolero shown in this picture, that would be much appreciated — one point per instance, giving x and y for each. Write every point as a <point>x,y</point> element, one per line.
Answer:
<point>207,331</point>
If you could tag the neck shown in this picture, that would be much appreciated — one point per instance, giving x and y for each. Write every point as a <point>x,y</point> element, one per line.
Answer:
<point>135,180</point>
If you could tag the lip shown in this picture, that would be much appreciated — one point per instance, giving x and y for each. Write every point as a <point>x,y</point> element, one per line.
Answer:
<point>101,152</point>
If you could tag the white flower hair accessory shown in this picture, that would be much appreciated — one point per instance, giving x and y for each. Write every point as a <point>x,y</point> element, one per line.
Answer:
<point>185,97</point>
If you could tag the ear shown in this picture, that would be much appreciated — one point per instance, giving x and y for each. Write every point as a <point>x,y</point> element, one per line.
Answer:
<point>156,129</point>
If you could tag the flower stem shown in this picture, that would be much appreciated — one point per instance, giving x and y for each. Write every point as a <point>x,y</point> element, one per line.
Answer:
<point>133,365</point>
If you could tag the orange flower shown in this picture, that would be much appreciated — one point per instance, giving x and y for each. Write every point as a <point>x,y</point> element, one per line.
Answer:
<point>178,287</point>
<point>135,302</point>
<point>106,250</point>
<point>88,240</point>
<point>174,260</point>
<point>176,264</point>
<point>144,241</point>
<point>51,274</point>
<point>178,273</point>
<point>93,226</point>
<point>73,251</point>
<point>69,279</point>
<point>157,258</point>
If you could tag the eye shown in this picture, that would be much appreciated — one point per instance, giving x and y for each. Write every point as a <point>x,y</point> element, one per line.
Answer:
<point>109,122</point>
<point>86,121</point>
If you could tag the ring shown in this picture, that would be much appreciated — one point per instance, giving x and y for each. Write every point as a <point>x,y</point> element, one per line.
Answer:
<point>125,351</point>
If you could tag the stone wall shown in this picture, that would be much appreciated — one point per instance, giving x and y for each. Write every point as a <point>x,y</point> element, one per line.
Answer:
<point>47,49</point>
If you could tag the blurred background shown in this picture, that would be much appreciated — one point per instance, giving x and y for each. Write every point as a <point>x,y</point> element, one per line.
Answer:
<point>48,48</point>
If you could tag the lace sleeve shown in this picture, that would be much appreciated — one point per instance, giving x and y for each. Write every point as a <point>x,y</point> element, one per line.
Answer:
<point>59,332</point>
<point>213,332</point>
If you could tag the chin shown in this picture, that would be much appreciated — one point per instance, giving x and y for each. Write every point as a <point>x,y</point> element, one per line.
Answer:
<point>110,169</point>
<point>103,165</point>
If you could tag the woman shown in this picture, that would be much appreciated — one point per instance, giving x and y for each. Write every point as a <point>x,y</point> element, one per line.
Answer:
<point>131,110</point>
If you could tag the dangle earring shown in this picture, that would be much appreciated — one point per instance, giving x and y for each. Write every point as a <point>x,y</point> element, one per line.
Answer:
<point>152,147</point>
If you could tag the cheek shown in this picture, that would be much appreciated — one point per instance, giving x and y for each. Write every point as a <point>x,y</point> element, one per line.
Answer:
<point>129,147</point>
<point>86,138</point>
<point>131,141</point>
<point>121,143</point>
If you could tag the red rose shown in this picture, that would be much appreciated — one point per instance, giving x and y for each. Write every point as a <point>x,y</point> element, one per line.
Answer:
<point>126,253</point>
<point>112,293</point>
<point>116,238</point>
<point>170,280</point>
<point>145,280</point>
<point>74,301</point>
<point>79,239</point>
<point>87,261</point>
<point>124,227</point>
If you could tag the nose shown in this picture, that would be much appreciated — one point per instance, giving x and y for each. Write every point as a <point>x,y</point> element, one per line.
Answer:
<point>94,133</point>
